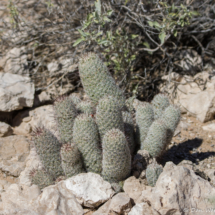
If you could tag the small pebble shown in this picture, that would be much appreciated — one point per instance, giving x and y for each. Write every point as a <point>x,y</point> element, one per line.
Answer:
<point>212,145</point>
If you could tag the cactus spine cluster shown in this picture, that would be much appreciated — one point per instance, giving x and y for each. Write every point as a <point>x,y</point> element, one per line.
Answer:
<point>153,172</point>
<point>98,135</point>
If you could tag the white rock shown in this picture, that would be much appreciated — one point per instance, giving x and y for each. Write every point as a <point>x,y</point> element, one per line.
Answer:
<point>89,189</point>
<point>209,127</point>
<point>179,191</point>
<point>119,204</point>
<point>201,105</point>
<point>5,129</point>
<point>32,163</point>
<point>25,121</point>
<point>15,61</point>
<point>143,209</point>
<point>133,188</point>
<point>16,92</point>
<point>18,200</point>
<point>13,153</point>
<point>57,199</point>
<point>25,200</point>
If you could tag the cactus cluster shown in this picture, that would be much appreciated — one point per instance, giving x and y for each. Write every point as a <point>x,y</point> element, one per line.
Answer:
<point>99,135</point>
<point>156,123</point>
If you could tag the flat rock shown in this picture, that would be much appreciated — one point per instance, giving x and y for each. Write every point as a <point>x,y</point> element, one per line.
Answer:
<point>16,92</point>
<point>179,191</point>
<point>13,153</point>
<point>25,200</point>
<point>133,188</point>
<point>32,163</point>
<point>119,204</point>
<point>15,61</point>
<point>209,127</point>
<point>143,209</point>
<point>89,189</point>
<point>5,129</point>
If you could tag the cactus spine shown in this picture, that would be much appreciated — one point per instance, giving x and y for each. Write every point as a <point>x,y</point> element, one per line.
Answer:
<point>86,136</point>
<point>65,113</point>
<point>116,163</point>
<point>96,79</point>
<point>72,163</point>
<point>48,148</point>
<point>108,115</point>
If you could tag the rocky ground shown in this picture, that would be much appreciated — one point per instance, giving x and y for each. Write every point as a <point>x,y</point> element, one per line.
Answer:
<point>186,185</point>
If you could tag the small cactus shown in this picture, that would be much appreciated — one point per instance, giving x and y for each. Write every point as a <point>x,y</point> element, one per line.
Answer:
<point>65,113</point>
<point>86,136</point>
<point>153,172</point>
<point>155,141</point>
<point>116,163</point>
<point>97,80</point>
<point>144,119</point>
<point>41,178</point>
<point>48,148</point>
<point>160,102</point>
<point>72,163</point>
<point>108,115</point>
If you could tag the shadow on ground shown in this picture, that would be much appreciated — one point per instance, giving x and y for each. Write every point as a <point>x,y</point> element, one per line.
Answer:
<point>185,151</point>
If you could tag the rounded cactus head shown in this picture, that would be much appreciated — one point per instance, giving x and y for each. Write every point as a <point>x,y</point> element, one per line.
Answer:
<point>97,80</point>
<point>153,172</point>
<point>116,163</point>
<point>65,113</point>
<point>160,102</point>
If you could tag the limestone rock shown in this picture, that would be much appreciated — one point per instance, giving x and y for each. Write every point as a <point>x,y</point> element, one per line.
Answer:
<point>209,127</point>
<point>25,121</point>
<point>143,209</point>
<point>15,61</point>
<point>5,129</point>
<point>179,191</point>
<point>25,200</point>
<point>13,153</point>
<point>32,163</point>
<point>89,189</point>
<point>16,92</point>
<point>119,204</point>
<point>195,95</point>
<point>133,188</point>
<point>57,199</point>
<point>18,200</point>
